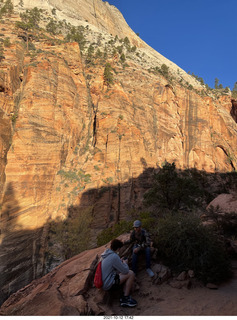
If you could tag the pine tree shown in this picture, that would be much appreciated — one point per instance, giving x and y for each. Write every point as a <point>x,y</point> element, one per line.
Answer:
<point>234,91</point>
<point>216,83</point>
<point>235,87</point>
<point>108,76</point>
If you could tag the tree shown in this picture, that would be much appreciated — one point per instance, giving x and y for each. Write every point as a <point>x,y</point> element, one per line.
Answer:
<point>29,22</point>
<point>7,8</point>
<point>126,41</point>
<point>108,76</point>
<point>1,53</point>
<point>73,234</point>
<point>234,91</point>
<point>76,34</point>
<point>90,52</point>
<point>32,18</point>
<point>186,244</point>
<point>51,27</point>
<point>98,54</point>
<point>201,81</point>
<point>172,190</point>
<point>164,70</point>
<point>216,83</point>
<point>235,87</point>
<point>122,57</point>
<point>7,42</point>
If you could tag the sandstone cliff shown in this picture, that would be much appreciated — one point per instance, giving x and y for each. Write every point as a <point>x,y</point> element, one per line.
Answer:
<point>68,139</point>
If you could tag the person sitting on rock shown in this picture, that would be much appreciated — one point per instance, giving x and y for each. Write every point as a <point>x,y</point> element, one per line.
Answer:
<point>141,240</point>
<point>116,271</point>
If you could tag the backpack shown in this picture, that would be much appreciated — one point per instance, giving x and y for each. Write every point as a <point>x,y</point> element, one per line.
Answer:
<point>98,276</point>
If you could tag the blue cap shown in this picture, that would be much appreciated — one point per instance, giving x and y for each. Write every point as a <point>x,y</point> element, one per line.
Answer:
<point>137,224</point>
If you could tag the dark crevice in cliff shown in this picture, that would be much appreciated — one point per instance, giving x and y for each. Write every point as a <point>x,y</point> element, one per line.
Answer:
<point>106,143</point>
<point>233,111</point>
<point>119,201</point>
<point>94,129</point>
<point>94,109</point>
<point>228,156</point>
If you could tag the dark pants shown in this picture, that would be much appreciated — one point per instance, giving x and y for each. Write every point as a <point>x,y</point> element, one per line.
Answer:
<point>135,258</point>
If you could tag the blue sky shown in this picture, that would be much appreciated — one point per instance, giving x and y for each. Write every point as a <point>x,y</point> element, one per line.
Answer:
<point>200,36</point>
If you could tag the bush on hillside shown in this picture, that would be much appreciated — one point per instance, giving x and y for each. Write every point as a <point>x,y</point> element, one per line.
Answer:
<point>173,190</point>
<point>76,34</point>
<point>110,233</point>
<point>185,244</point>
<point>125,226</point>
<point>72,235</point>
<point>108,75</point>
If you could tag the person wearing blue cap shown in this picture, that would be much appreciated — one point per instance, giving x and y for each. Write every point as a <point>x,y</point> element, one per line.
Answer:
<point>141,239</point>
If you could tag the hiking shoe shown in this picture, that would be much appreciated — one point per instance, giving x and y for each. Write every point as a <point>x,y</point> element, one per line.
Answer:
<point>128,302</point>
<point>150,272</point>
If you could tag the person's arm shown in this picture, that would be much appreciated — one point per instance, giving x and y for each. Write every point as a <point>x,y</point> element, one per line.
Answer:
<point>147,239</point>
<point>131,239</point>
<point>120,266</point>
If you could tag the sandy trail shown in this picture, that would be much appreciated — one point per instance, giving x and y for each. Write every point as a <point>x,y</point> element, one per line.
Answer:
<point>164,300</point>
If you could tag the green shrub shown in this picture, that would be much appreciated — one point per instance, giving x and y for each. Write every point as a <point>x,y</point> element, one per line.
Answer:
<point>108,75</point>
<point>122,57</point>
<point>125,226</point>
<point>173,190</point>
<point>186,244</point>
<point>76,34</point>
<point>73,234</point>
<point>98,54</point>
<point>164,70</point>
<point>119,49</point>
<point>1,53</point>
<point>52,27</point>
<point>31,46</point>
<point>110,233</point>
<point>7,42</point>
<point>7,8</point>
<point>147,220</point>
<point>90,54</point>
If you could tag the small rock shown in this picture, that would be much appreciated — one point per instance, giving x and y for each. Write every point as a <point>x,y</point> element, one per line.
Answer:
<point>211,286</point>
<point>191,273</point>
<point>182,276</point>
<point>157,268</point>
<point>69,311</point>
<point>95,309</point>
<point>80,303</point>
<point>176,284</point>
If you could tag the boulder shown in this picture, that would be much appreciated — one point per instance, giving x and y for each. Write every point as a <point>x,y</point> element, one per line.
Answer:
<point>224,203</point>
<point>162,273</point>
<point>182,276</point>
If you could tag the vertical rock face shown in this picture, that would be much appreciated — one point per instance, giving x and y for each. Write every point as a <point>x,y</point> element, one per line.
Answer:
<point>68,139</point>
<point>233,111</point>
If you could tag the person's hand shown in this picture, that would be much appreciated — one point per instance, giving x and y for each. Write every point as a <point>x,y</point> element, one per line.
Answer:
<point>136,250</point>
<point>125,260</point>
